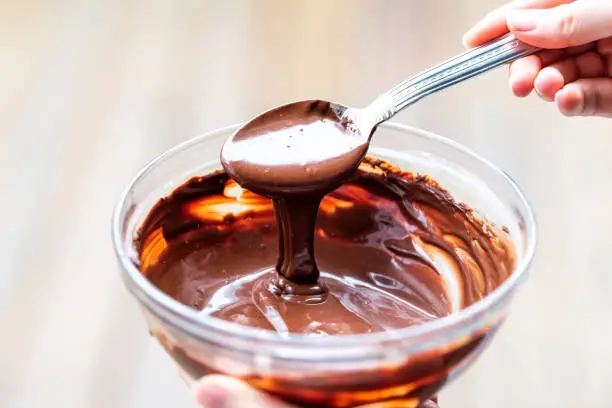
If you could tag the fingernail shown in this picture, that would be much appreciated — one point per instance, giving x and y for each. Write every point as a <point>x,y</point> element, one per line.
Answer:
<point>522,21</point>
<point>466,39</point>
<point>211,396</point>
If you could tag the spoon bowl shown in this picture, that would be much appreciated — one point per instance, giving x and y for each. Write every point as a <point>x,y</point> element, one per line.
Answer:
<point>303,147</point>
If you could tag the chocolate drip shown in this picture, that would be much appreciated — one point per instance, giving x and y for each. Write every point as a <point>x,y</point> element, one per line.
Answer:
<point>295,217</point>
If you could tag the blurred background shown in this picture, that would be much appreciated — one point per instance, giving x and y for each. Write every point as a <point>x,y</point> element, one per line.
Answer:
<point>91,90</point>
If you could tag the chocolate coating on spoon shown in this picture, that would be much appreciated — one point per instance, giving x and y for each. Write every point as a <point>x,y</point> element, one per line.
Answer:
<point>300,148</point>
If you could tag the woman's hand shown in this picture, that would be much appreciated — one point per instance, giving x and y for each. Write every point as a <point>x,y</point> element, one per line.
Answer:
<point>216,391</point>
<point>575,69</point>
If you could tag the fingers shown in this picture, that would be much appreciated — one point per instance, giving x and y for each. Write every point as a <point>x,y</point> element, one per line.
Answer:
<point>216,391</point>
<point>555,76</point>
<point>494,24</point>
<point>564,26</point>
<point>524,71</point>
<point>578,78</point>
<point>586,97</point>
<point>604,47</point>
<point>429,404</point>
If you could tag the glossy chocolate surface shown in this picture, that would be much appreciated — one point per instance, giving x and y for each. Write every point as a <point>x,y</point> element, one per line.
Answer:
<point>394,250</point>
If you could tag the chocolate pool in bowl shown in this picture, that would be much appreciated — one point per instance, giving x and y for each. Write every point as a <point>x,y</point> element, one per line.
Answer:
<point>413,280</point>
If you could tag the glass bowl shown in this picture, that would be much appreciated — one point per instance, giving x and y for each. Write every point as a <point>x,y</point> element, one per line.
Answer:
<point>399,368</point>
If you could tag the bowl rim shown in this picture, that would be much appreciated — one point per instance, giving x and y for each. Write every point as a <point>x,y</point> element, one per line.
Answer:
<point>419,337</point>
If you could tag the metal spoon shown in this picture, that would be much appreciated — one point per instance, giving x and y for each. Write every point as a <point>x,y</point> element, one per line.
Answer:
<point>279,152</point>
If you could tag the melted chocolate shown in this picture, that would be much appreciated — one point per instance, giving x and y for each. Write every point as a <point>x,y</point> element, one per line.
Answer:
<point>295,154</point>
<point>300,148</point>
<point>394,249</point>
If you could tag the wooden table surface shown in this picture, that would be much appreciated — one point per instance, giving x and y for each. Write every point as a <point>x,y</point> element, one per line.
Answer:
<point>91,90</point>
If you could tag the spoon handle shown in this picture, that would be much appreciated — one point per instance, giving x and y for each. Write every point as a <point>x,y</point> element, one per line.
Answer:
<point>459,68</point>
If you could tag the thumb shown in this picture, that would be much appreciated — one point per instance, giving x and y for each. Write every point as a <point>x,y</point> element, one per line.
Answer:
<point>217,391</point>
<point>564,26</point>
